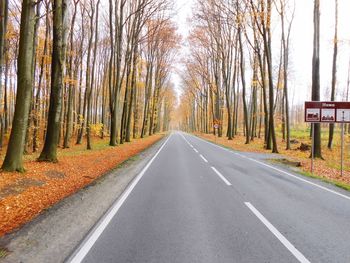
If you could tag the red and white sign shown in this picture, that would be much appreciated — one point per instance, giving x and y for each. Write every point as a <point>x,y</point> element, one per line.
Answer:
<point>327,112</point>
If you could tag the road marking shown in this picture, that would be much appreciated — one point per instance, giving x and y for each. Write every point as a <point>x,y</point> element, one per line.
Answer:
<point>205,160</point>
<point>195,150</point>
<point>221,176</point>
<point>90,240</point>
<point>296,253</point>
<point>301,179</point>
<point>279,170</point>
<point>211,143</point>
<point>185,139</point>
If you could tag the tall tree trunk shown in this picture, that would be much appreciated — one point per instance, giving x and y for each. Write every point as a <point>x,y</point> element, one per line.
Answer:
<point>36,113</point>
<point>148,90</point>
<point>334,72</point>
<point>119,28</point>
<point>6,97</point>
<point>88,84</point>
<point>285,42</point>
<point>111,86</point>
<point>72,83</point>
<point>29,124</point>
<point>316,76</point>
<point>132,95</point>
<point>254,101</point>
<point>128,61</point>
<point>14,155</point>
<point>3,30</point>
<point>81,108</point>
<point>137,96</point>
<point>245,109</point>
<point>267,44</point>
<point>49,152</point>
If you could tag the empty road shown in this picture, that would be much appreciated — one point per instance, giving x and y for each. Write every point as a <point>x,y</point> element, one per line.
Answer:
<point>198,202</point>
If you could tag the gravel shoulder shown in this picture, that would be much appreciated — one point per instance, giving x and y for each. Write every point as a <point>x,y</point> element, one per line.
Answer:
<point>54,235</point>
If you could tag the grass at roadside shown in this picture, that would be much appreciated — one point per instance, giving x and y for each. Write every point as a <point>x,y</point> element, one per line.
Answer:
<point>24,196</point>
<point>327,170</point>
<point>330,181</point>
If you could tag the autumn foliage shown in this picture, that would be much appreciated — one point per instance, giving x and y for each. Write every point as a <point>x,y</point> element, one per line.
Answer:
<point>25,196</point>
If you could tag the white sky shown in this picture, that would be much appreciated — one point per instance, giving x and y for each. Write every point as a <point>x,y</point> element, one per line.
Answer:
<point>184,13</point>
<point>301,45</point>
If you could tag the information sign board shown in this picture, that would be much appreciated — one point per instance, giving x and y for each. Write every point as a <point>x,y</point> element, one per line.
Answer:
<point>327,112</point>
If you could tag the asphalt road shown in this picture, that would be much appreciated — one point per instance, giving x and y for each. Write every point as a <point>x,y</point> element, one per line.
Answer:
<point>197,202</point>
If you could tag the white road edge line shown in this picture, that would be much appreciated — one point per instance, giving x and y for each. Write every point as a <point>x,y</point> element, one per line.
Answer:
<point>296,253</point>
<point>301,179</point>
<point>221,176</point>
<point>279,170</point>
<point>205,160</point>
<point>90,240</point>
<point>195,150</point>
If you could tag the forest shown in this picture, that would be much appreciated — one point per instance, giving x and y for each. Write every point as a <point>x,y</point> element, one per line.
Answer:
<point>76,70</point>
<point>237,77</point>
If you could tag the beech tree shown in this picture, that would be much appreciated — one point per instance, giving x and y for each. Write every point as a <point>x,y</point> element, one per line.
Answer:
<point>72,71</point>
<point>49,152</point>
<point>316,76</point>
<point>3,30</point>
<point>14,154</point>
<point>334,71</point>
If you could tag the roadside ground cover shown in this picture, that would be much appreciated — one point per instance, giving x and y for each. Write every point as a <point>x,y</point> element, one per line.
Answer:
<point>23,196</point>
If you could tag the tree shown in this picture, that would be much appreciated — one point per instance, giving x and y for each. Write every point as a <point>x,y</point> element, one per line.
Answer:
<point>334,72</point>
<point>286,31</point>
<point>72,71</point>
<point>266,33</point>
<point>245,109</point>
<point>116,86</point>
<point>37,98</point>
<point>90,85</point>
<point>3,30</point>
<point>316,76</point>
<point>49,152</point>
<point>14,155</point>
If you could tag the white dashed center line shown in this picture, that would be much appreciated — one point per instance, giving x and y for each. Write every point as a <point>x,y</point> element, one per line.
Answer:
<point>205,160</point>
<point>221,176</point>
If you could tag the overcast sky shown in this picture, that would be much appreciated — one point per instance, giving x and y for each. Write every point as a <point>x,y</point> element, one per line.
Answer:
<point>301,45</point>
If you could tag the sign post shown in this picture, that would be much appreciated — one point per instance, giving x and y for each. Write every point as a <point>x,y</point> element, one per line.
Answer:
<point>312,147</point>
<point>327,112</point>
<point>342,144</point>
